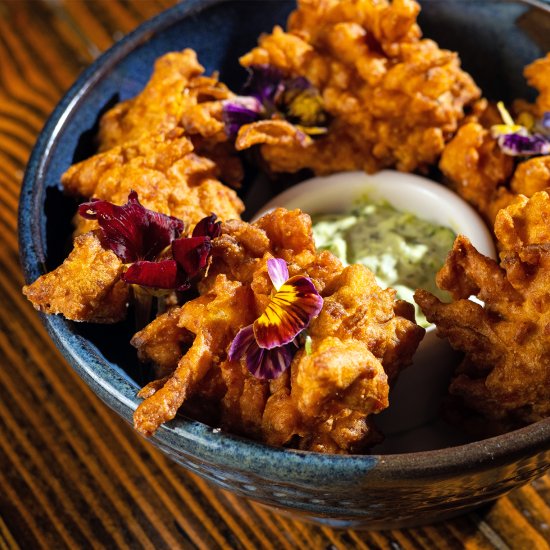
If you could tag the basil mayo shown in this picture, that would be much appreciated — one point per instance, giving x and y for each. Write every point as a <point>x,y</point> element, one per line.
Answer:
<point>403,251</point>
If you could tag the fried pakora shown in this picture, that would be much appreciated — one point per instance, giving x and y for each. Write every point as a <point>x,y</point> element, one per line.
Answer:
<point>505,374</point>
<point>168,144</point>
<point>359,342</point>
<point>149,145</point>
<point>480,172</point>
<point>391,98</point>
<point>177,96</point>
<point>166,173</point>
<point>70,290</point>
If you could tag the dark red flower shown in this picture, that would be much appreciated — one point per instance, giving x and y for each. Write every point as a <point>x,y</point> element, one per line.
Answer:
<point>165,274</point>
<point>208,227</point>
<point>132,231</point>
<point>190,255</point>
<point>138,236</point>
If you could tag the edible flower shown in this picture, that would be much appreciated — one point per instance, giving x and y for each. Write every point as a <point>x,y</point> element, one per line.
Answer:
<point>140,237</point>
<point>269,343</point>
<point>190,255</point>
<point>529,138</point>
<point>132,231</point>
<point>269,95</point>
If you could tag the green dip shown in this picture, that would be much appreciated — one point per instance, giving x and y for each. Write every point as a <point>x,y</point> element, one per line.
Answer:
<point>403,251</point>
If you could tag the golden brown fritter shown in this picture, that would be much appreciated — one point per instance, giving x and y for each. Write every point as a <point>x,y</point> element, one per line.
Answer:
<point>393,99</point>
<point>162,342</point>
<point>531,176</point>
<point>177,96</point>
<point>525,223</point>
<point>71,290</point>
<point>323,401</point>
<point>210,319</point>
<point>505,374</point>
<point>477,169</point>
<point>168,176</point>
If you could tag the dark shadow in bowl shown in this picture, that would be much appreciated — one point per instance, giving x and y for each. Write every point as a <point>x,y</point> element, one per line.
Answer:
<point>230,70</point>
<point>86,145</point>
<point>494,36</point>
<point>114,343</point>
<point>61,208</point>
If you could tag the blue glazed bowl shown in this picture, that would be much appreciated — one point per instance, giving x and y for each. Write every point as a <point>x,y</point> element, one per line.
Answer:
<point>378,491</point>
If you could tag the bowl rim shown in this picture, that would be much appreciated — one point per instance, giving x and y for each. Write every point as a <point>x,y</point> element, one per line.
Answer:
<point>204,441</point>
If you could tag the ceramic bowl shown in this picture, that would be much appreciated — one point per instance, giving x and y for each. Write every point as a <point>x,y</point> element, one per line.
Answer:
<point>377,491</point>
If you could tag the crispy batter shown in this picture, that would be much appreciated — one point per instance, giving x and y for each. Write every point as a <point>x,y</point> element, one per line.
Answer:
<point>531,176</point>
<point>177,96</point>
<point>538,76</point>
<point>525,223</point>
<point>393,99</point>
<point>162,342</point>
<point>505,374</point>
<point>70,291</point>
<point>477,169</point>
<point>339,378</point>
<point>210,318</point>
<point>487,178</point>
<point>157,108</point>
<point>322,402</point>
<point>164,170</point>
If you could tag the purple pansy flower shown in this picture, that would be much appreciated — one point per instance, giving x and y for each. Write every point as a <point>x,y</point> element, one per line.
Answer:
<point>526,139</point>
<point>268,344</point>
<point>524,145</point>
<point>269,95</point>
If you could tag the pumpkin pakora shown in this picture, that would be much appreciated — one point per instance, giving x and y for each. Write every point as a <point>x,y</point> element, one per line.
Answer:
<point>360,341</point>
<point>505,374</point>
<point>390,97</point>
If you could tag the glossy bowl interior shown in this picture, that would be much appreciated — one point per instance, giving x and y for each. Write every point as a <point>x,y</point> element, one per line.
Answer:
<point>363,491</point>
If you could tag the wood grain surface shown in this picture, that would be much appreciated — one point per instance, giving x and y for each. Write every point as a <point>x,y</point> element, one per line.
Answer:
<point>73,474</point>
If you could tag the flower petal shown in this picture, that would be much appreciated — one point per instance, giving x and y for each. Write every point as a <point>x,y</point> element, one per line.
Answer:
<point>238,111</point>
<point>288,313</point>
<point>164,274</point>
<point>192,253</point>
<point>302,104</point>
<point>278,272</point>
<point>518,144</point>
<point>208,227</point>
<point>267,364</point>
<point>244,339</point>
<point>264,83</point>
<point>262,363</point>
<point>131,231</point>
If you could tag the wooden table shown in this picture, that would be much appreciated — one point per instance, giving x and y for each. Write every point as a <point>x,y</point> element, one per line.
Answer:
<point>73,474</point>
